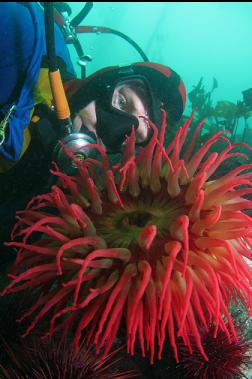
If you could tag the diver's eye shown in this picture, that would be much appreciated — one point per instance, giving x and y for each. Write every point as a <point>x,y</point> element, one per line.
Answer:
<point>121,102</point>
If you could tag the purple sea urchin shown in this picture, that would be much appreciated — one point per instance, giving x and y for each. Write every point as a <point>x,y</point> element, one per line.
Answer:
<point>53,359</point>
<point>225,360</point>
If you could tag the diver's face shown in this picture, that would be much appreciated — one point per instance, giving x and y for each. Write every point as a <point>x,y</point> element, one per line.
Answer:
<point>127,99</point>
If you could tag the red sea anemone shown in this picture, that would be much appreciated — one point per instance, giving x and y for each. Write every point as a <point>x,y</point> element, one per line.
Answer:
<point>152,243</point>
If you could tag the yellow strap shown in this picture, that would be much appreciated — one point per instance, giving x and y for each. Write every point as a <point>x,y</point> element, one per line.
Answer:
<point>43,93</point>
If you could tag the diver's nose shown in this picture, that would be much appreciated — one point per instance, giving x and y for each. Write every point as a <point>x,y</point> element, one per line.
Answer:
<point>142,132</point>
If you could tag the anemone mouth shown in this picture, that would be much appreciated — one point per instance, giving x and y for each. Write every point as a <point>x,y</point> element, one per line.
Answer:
<point>135,218</point>
<point>121,227</point>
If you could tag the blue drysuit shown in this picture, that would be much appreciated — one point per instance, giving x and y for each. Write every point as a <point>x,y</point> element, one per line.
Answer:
<point>22,46</point>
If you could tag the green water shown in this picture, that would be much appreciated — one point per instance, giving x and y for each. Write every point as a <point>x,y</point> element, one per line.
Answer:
<point>196,39</point>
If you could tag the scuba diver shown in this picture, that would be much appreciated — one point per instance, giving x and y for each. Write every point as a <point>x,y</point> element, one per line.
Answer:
<point>109,102</point>
<point>104,107</point>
